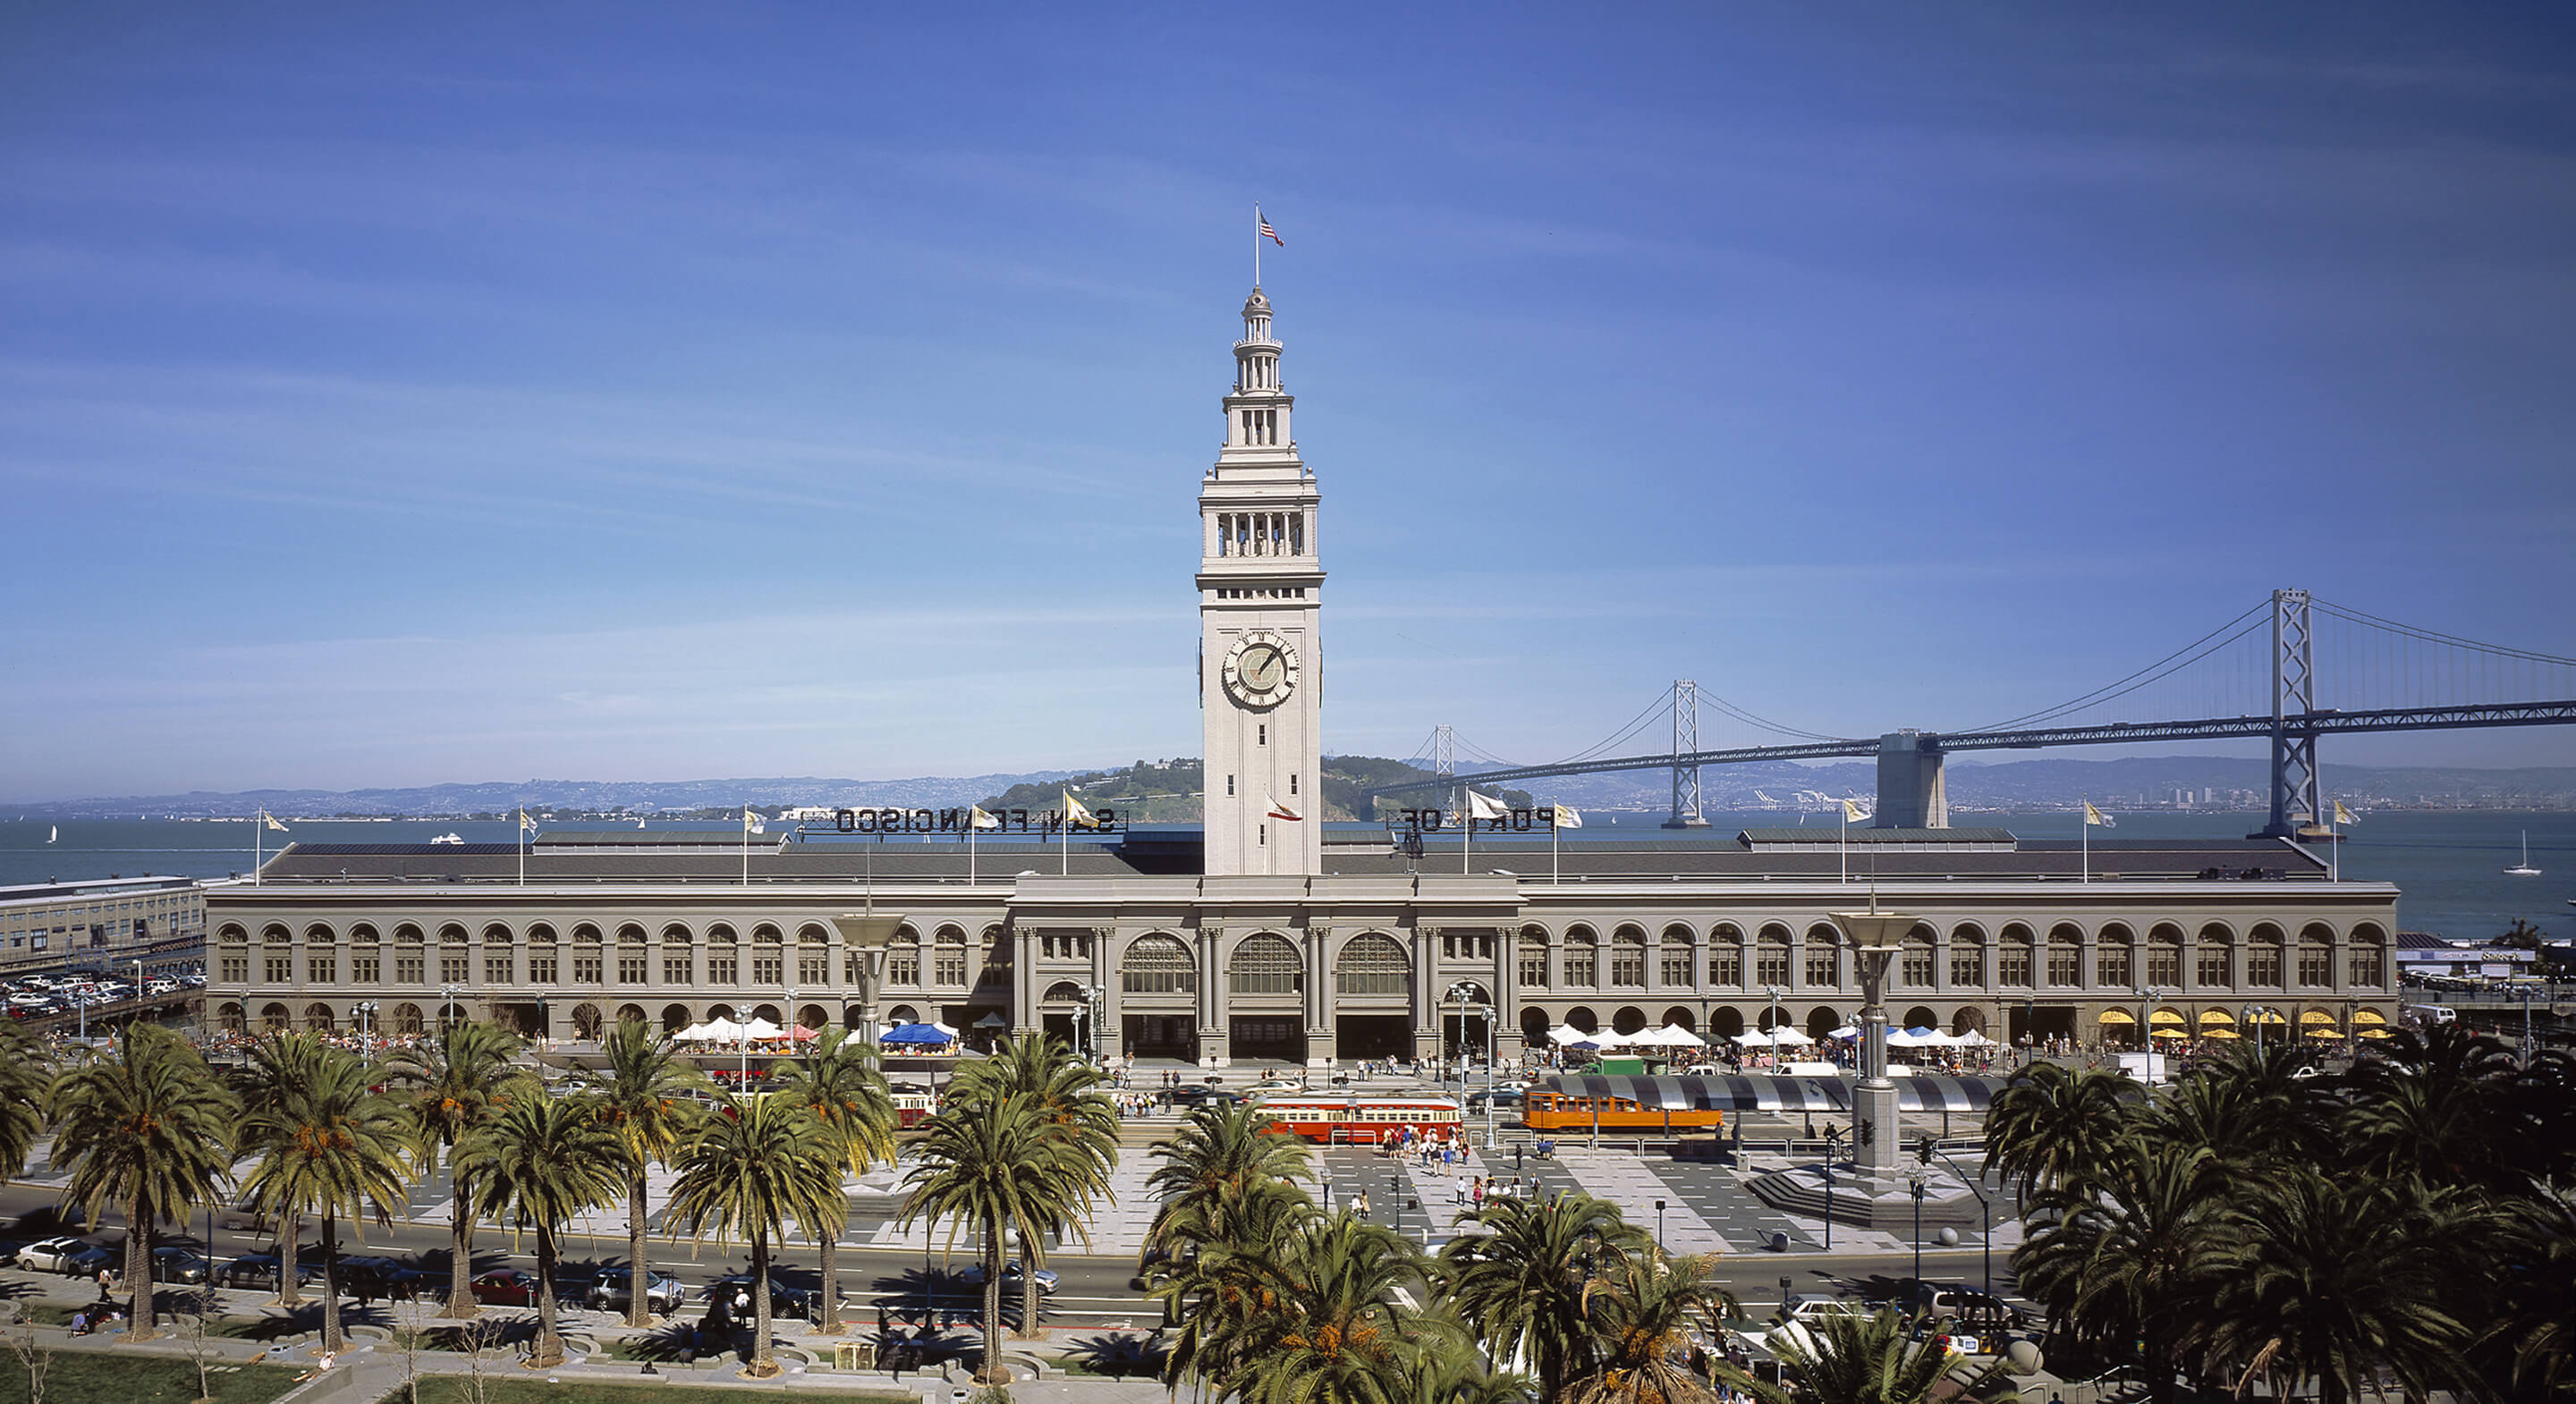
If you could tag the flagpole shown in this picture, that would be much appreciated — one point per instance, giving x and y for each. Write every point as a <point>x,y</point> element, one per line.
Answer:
<point>970,851</point>
<point>2084,825</point>
<point>1843,846</point>
<point>1555,862</point>
<point>1256,243</point>
<point>1467,835</point>
<point>258,831</point>
<point>746,847</point>
<point>2334,844</point>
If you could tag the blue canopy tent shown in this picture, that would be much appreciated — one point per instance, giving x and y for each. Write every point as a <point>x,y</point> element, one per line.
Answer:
<point>917,1034</point>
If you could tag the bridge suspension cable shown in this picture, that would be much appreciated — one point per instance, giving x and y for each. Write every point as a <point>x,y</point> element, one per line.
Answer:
<point>2245,625</point>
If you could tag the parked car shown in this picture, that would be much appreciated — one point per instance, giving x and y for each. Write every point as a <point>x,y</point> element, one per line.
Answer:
<point>504,1287</point>
<point>261,1270</point>
<point>373,1275</point>
<point>69,1256</point>
<point>613,1290</point>
<point>973,1276</point>
<point>245,1217</point>
<point>1804,1307</point>
<point>792,1302</point>
<point>182,1265</point>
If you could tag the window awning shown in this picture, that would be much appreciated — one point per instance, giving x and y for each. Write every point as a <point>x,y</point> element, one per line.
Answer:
<point>2209,1017</point>
<point>2115,1016</point>
<point>2271,1017</point>
<point>2316,1016</point>
<point>2366,1018</point>
<point>2165,1016</point>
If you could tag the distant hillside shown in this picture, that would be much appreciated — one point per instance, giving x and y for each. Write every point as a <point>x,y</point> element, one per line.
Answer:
<point>1167,792</point>
<point>559,796</point>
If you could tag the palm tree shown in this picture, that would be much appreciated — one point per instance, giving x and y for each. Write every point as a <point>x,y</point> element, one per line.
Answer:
<point>1211,1273</point>
<point>754,1166</point>
<point>644,1098</point>
<point>836,1079</point>
<point>1211,1165</point>
<point>458,1081</point>
<point>148,1128</point>
<point>1523,1285</point>
<point>2127,1251</point>
<point>1646,1312</point>
<point>986,1165</point>
<point>1080,1118</point>
<point>2443,1105</point>
<point>275,1068</point>
<point>331,1146</point>
<point>1868,1360</point>
<point>1339,1328</point>
<point>2050,1120</point>
<point>537,1161</point>
<point>2335,1283</point>
<point>25,1078</point>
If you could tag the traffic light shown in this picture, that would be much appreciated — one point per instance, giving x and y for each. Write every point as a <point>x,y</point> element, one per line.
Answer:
<point>1923,1150</point>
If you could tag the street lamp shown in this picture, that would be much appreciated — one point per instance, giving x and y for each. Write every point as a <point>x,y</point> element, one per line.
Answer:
<point>1984,1209</point>
<point>1087,1027</point>
<point>1917,1176</point>
<point>867,935</point>
<point>2148,997</point>
<point>1461,992</point>
<point>366,1007</point>
<point>1772,1035</point>
<point>448,994</point>
<point>1833,1137</point>
<point>1659,1230</point>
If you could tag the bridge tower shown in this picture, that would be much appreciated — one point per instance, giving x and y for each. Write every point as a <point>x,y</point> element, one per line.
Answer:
<point>1686,813</point>
<point>1444,763</point>
<point>2294,695</point>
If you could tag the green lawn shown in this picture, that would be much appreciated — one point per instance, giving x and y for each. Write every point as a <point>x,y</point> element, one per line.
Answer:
<point>95,1377</point>
<point>458,1389</point>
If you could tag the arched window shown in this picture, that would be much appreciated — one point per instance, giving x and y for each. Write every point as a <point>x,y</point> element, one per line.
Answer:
<point>1771,955</point>
<point>1372,965</point>
<point>1675,962</point>
<point>1726,957</point>
<point>2111,963</point>
<point>903,957</point>
<point>1158,964</point>
<point>1582,958</point>
<point>2316,955</point>
<point>2263,956</point>
<point>1967,958</point>
<point>1264,965</point>
<point>948,957</point>
<point>2211,969</point>
<point>2013,956</point>
<point>1914,960</point>
<point>404,935</point>
<point>585,935</point>
<point>2369,956</point>
<point>2066,954</point>
<point>275,1018</point>
<point>1533,972</point>
<point>407,1020</point>
<point>1824,957</point>
<point>451,935</point>
<point>1628,958</point>
<point>2163,959</point>
<point>1062,992</point>
<point>317,1018</point>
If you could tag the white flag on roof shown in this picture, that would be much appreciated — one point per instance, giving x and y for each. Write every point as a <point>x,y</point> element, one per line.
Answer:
<point>1482,807</point>
<point>1565,817</point>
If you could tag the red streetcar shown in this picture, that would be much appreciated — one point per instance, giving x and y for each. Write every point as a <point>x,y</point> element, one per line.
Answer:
<point>1336,1118</point>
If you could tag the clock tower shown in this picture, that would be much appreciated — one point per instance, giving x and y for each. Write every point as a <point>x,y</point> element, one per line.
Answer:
<point>1261,663</point>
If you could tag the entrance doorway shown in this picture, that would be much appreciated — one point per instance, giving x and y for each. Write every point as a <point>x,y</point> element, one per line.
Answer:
<point>1374,1036</point>
<point>1267,1036</point>
<point>1159,1036</point>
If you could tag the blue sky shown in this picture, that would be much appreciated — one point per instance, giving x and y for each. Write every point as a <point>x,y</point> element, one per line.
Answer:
<point>398,394</point>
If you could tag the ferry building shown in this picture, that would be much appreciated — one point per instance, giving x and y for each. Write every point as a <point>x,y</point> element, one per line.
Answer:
<point>1265,933</point>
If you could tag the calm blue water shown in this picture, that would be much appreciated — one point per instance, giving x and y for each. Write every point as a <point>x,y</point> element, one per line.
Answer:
<point>2448,865</point>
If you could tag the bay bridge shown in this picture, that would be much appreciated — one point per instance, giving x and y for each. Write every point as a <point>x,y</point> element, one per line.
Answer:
<point>2263,674</point>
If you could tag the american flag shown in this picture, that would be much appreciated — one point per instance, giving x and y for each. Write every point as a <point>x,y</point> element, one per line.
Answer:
<point>1273,234</point>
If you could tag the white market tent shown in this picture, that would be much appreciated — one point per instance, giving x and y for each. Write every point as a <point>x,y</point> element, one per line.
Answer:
<point>1777,1038</point>
<point>1669,1036</point>
<point>759,1029</point>
<point>716,1030</point>
<point>1564,1034</point>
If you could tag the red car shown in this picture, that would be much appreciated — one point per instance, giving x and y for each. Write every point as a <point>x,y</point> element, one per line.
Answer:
<point>505,1287</point>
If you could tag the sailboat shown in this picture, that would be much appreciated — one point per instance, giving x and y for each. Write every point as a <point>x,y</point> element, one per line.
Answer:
<point>55,834</point>
<point>2524,868</point>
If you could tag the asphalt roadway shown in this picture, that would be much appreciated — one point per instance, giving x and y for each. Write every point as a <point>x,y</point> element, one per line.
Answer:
<point>1092,1290</point>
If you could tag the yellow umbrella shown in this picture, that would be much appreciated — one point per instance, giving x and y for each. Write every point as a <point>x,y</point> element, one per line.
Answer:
<point>2220,1033</point>
<point>2168,1033</point>
<point>2325,1033</point>
<point>2374,1033</point>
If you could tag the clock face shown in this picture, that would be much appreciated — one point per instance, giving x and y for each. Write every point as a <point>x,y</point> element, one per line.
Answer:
<point>1261,669</point>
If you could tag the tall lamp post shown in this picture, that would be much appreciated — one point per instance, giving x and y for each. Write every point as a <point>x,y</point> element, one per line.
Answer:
<point>1771,1036</point>
<point>866,935</point>
<point>447,995</point>
<point>2148,996</point>
<point>1087,1027</point>
<point>1461,992</point>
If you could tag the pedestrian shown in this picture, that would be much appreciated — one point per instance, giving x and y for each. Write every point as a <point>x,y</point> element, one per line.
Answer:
<point>1363,1206</point>
<point>1479,1192</point>
<point>1459,1194</point>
